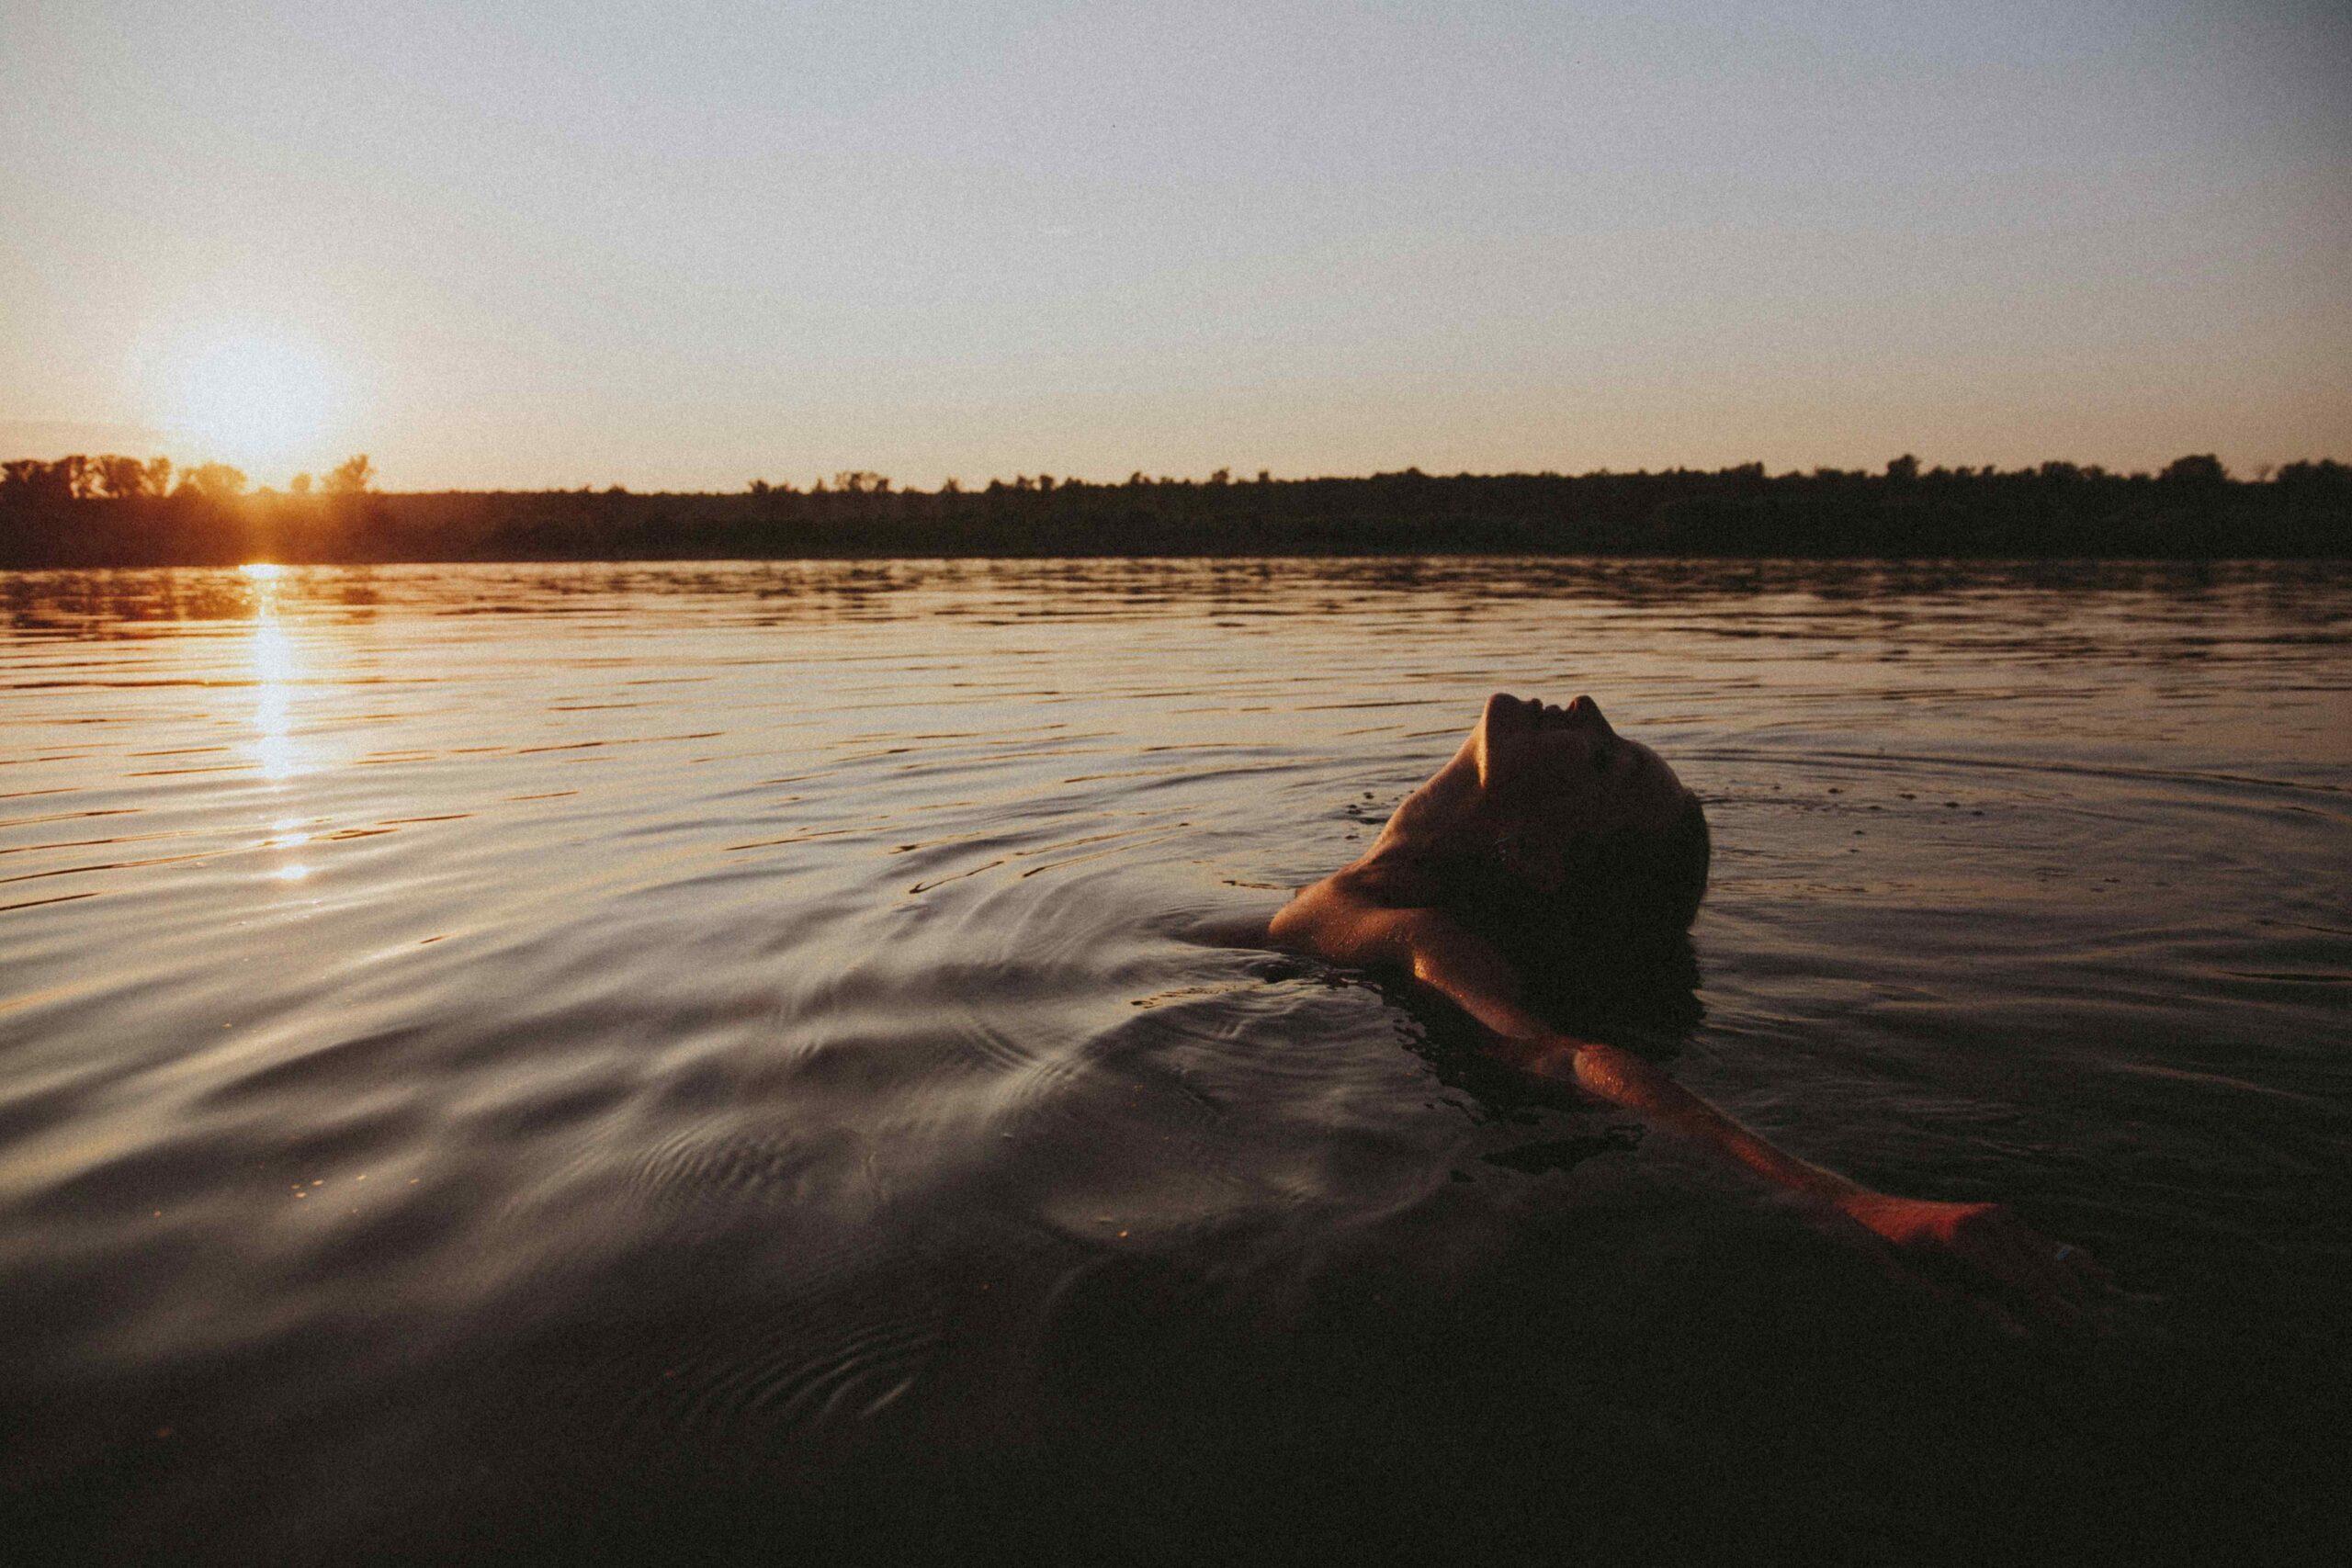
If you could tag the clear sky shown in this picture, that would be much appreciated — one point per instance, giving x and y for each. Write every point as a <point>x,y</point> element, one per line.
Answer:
<point>681,244</point>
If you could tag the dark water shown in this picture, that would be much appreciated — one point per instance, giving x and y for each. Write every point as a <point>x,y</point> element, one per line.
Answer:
<point>708,1060</point>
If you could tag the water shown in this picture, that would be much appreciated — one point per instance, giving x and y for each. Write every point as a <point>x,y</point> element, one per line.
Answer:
<point>717,1057</point>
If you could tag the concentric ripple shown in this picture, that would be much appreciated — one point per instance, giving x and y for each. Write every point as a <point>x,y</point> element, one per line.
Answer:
<point>597,1034</point>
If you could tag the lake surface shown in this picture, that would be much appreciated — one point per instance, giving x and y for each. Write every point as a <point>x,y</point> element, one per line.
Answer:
<point>716,1058</point>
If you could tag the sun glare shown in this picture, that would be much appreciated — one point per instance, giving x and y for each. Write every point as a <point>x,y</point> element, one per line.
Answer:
<point>261,403</point>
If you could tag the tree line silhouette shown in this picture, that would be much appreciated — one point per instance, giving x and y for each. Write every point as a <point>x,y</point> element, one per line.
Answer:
<point>112,510</point>
<point>30,482</point>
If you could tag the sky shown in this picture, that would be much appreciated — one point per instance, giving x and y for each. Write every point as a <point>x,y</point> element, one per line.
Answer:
<point>686,244</point>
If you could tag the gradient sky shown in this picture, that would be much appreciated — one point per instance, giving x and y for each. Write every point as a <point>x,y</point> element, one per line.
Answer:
<point>683,245</point>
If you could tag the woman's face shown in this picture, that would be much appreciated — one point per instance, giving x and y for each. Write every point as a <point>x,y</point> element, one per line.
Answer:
<point>1562,773</point>
<point>1535,783</point>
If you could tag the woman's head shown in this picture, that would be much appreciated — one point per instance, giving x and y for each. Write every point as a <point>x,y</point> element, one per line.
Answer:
<point>1565,771</point>
<point>1548,827</point>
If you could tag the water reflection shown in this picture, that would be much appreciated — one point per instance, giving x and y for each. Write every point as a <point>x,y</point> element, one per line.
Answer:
<point>751,1008</point>
<point>270,652</point>
<point>1891,594</point>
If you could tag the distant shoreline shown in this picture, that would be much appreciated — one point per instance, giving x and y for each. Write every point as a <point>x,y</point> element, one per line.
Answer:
<point>2193,511</point>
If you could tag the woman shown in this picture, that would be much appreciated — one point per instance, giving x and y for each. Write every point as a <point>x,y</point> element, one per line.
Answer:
<point>1550,843</point>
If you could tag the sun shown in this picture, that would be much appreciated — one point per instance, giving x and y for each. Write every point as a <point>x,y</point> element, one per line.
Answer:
<point>260,400</point>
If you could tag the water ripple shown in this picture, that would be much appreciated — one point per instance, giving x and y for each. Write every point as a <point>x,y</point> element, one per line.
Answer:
<point>722,1011</point>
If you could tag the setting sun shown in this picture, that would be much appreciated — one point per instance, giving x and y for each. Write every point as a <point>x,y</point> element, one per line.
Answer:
<point>261,403</point>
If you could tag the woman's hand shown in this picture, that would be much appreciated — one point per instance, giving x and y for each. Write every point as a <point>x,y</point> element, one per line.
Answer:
<point>2060,1282</point>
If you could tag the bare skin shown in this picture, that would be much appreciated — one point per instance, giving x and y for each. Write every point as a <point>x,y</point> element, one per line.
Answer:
<point>1547,777</point>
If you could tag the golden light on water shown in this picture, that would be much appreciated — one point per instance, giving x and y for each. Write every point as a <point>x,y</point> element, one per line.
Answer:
<point>276,669</point>
<point>272,656</point>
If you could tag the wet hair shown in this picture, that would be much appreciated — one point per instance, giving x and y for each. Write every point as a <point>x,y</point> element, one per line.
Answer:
<point>1619,899</point>
<point>1674,864</point>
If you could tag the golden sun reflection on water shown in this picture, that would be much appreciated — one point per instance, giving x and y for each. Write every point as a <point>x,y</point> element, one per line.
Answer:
<point>276,667</point>
<point>274,747</point>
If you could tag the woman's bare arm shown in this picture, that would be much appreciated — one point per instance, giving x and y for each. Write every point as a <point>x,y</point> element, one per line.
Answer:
<point>1468,971</point>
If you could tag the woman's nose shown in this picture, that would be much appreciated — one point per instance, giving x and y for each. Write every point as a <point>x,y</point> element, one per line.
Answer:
<point>1587,712</point>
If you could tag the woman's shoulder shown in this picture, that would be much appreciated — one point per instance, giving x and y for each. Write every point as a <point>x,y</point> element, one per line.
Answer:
<point>1355,915</point>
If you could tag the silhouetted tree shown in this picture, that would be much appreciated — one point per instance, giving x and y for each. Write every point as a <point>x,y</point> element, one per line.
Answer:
<point>74,477</point>
<point>120,477</point>
<point>62,478</point>
<point>351,477</point>
<point>214,482</point>
<point>2325,476</point>
<point>1903,470</point>
<point>299,484</point>
<point>2204,471</point>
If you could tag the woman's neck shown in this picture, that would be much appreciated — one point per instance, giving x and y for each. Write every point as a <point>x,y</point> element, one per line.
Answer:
<point>1399,870</point>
